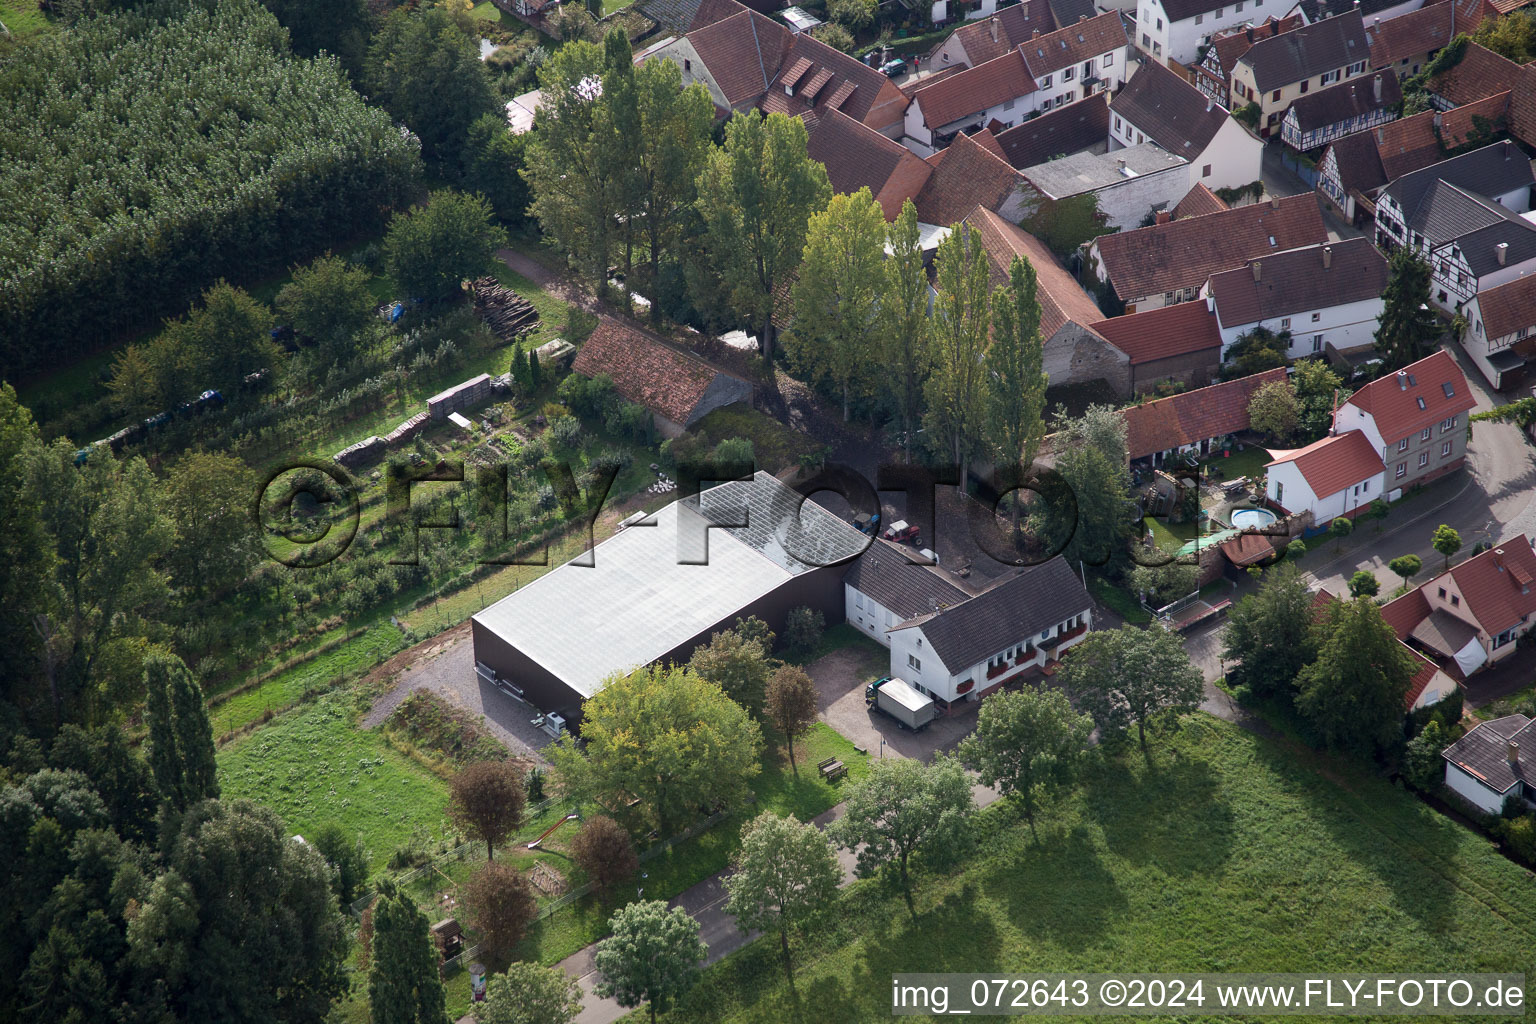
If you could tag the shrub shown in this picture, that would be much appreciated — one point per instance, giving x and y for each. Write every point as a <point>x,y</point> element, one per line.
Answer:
<point>735,449</point>
<point>1519,835</point>
<point>803,628</point>
<point>604,851</point>
<point>565,432</point>
<point>834,35</point>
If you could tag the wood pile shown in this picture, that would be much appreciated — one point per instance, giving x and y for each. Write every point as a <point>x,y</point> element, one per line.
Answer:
<point>506,313</point>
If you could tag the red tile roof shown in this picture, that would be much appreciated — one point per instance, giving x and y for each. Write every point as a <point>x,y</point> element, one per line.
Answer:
<point>1184,253</point>
<point>1175,330</point>
<point>1481,73</point>
<point>1061,297</point>
<point>1408,144</point>
<point>1459,122</point>
<point>974,90</point>
<point>1198,202</point>
<point>1248,549</point>
<point>1393,401</point>
<point>988,141</point>
<point>742,54</point>
<point>1073,44</point>
<point>1508,307</point>
<point>856,155</point>
<point>1499,586</point>
<point>1409,35</point>
<point>1405,613</point>
<point>1192,416</point>
<point>646,370</point>
<point>965,175</point>
<point>1011,26</point>
<point>1334,463</point>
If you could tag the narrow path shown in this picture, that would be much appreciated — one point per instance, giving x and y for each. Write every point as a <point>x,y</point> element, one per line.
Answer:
<point>559,285</point>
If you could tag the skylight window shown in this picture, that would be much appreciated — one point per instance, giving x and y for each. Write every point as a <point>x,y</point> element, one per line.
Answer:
<point>1450,392</point>
<point>1421,402</point>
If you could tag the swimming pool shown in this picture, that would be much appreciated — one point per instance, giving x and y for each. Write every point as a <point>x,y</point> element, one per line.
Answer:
<point>1247,518</point>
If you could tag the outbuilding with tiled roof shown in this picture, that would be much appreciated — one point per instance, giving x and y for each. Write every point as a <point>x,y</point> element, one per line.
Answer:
<point>1072,129</point>
<point>1491,767</point>
<point>677,387</point>
<point>856,156</point>
<point>1179,343</point>
<point>965,176</point>
<point>1192,420</point>
<point>1336,476</point>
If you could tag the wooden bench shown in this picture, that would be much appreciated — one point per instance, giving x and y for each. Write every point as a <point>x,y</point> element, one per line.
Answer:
<point>832,768</point>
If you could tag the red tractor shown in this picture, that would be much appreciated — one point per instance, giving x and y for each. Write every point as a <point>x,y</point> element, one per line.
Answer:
<point>902,532</point>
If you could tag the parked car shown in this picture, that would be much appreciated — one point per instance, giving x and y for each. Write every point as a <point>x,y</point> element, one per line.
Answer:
<point>902,532</point>
<point>893,67</point>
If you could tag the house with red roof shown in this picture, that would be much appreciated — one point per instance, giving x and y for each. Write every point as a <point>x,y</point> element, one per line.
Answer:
<point>677,386</point>
<point>1501,336</point>
<point>1175,343</point>
<point>1046,71</point>
<point>1336,476</point>
<point>1192,421</point>
<point>1470,616</point>
<point>1398,431</point>
<point>1416,420</point>
<point>856,156</point>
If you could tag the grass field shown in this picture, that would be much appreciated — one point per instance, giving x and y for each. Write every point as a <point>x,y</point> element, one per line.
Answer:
<point>23,17</point>
<point>314,768</point>
<point>1225,853</point>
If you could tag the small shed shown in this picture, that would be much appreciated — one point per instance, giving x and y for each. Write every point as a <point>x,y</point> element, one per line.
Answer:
<point>365,451</point>
<point>461,396</point>
<point>448,936</point>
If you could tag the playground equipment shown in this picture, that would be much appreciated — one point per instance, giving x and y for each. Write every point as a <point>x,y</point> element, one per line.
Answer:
<point>537,842</point>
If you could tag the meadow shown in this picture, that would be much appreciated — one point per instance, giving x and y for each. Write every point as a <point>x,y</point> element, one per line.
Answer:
<point>1222,852</point>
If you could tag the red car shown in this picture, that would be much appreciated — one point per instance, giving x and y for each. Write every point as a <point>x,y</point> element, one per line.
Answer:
<point>901,531</point>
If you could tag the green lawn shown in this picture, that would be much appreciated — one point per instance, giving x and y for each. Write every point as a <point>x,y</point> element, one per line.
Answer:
<point>775,447</point>
<point>1249,462</point>
<point>876,658</point>
<point>23,17</point>
<point>314,768</point>
<point>1225,853</point>
<point>1170,537</point>
<point>1118,600</point>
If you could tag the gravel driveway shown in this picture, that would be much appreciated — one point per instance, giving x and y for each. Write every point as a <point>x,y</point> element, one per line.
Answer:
<point>840,678</point>
<point>449,670</point>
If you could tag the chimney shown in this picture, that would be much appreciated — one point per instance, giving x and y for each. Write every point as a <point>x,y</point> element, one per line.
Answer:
<point>1082,18</point>
<point>1402,380</point>
<point>1507,148</point>
<point>1501,252</point>
<point>1250,33</point>
<point>1208,104</point>
<point>1035,34</point>
<point>1381,135</point>
<point>1512,752</point>
<point>1274,202</point>
<point>1378,88</point>
<point>1327,257</point>
<point>1163,216</point>
<point>993,26</point>
<point>1257,265</point>
<point>1437,119</point>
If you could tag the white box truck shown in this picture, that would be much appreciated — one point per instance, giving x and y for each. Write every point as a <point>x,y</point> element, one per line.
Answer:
<point>899,700</point>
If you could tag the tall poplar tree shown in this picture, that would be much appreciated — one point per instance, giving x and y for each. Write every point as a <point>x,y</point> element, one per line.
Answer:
<point>1016,379</point>
<point>621,153</point>
<point>836,297</point>
<point>903,337</point>
<point>756,197</point>
<point>403,984</point>
<point>180,735</point>
<point>961,320</point>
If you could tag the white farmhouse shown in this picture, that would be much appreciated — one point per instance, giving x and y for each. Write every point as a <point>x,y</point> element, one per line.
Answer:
<point>1490,767</point>
<point>1501,334</point>
<point>1326,296</point>
<point>1174,30</point>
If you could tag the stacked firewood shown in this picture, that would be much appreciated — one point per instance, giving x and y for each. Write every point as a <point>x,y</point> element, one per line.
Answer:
<point>506,313</point>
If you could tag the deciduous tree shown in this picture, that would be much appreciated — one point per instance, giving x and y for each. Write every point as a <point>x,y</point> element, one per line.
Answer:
<point>1446,541</point>
<point>836,296</point>
<point>756,197</point>
<point>791,705</point>
<point>1318,389</point>
<point>1407,567</point>
<point>1092,523</point>
<point>1269,634</point>
<point>493,166</point>
<point>208,497</point>
<point>348,859</point>
<point>1131,676</point>
<point>500,904</point>
<point>603,849</point>
<point>1029,743</point>
<point>328,301</point>
<point>1352,694</point>
<point>737,665</point>
<point>1272,410</point>
<point>667,737</point>
<point>426,71</point>
<point>652,956</point>
<point>905,807</point>
<point>1364,584</point>
<point>486,801</point>
<point>528,993</point>
<point>403,985</point>
<point>785,873</point>
<point>430,250</point>
<point>1422,764</point>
